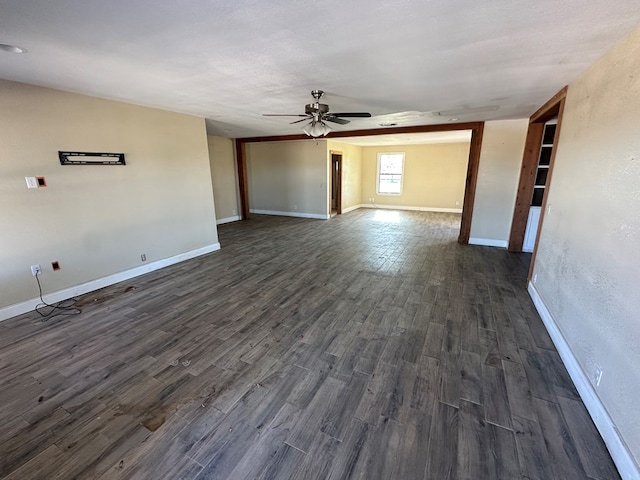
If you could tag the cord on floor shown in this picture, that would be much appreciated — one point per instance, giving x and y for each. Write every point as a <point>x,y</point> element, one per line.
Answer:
<point>65,307</point>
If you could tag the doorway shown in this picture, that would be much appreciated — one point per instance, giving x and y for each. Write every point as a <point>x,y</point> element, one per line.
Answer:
<point>335,200</point>
<point>477,129</point>
<point>535,176</point>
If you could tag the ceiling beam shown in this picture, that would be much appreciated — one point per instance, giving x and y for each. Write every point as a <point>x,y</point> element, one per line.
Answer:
<point>441,127</point>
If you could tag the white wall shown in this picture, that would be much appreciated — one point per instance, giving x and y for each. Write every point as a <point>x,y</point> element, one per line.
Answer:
<point>498,174</point>
<point>224,178</point>
<point>288,177</point>
<point>96,220</point>
<point>434,176</point>
<point>588,260</point>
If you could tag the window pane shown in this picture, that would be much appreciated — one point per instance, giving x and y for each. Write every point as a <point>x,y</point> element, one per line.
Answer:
<point>541,177</point>
<point>538,194</point>
<point>391,163</point>
<point>545,155</point>
<point>549,134</point>
<point>390,183</point>
<point>390,172</point>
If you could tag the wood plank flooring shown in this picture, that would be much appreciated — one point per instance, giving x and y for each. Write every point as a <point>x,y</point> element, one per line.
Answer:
<point>369,346</point>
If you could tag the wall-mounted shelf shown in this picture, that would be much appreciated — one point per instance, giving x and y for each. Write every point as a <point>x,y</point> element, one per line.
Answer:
<point>542,173</point>
<point>90,158</point>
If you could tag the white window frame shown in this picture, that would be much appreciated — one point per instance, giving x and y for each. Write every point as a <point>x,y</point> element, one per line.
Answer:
<point>401,174</point>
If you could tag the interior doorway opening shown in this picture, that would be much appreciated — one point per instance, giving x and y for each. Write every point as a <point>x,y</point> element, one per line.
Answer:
<point>476,128</point>
<point>535,176</point>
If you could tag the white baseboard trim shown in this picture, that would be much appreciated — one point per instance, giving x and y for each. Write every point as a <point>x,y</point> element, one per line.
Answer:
<point>621,455</point>
<point>415,209</point>
<point>235,218</point>
<point>351,209</point>
<point>488,242</point>
<point>24,307</point>
<point>322,216</point>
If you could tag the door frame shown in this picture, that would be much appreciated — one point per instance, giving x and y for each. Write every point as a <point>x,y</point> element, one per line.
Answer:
<point>553,108</point>
<point>339,193</point>
<point>477,130</point>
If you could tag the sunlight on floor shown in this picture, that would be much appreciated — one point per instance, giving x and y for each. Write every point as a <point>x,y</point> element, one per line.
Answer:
<point>388,216</point>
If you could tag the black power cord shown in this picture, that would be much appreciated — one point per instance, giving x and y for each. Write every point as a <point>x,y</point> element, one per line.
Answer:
<point>65,307</point>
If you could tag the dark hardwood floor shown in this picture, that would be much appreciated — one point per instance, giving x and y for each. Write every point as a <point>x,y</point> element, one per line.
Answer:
<point>368,346</point>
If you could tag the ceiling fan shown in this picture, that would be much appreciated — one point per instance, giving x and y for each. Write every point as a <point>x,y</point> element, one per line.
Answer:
<point>317,114</point>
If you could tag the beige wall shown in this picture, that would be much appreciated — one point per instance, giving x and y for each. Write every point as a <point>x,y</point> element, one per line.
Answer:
<point>288,177</point>
<point>96,220</point>
<point>588,262</point>
<point>498,175</point>
<point>224,178</point>
<point>434,175</point>
<point>351,172</point>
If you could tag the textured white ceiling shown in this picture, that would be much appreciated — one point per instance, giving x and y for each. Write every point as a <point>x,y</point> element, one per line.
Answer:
<point>231,61</point>
<point>458,136</point>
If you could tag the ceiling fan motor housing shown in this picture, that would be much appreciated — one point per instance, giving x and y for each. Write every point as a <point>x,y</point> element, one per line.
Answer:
<point>316,108</point>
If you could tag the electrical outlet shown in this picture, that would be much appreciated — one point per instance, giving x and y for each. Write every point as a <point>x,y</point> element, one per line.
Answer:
<point>35,270</point>
<point>597,376</point>
<point>457,202</point>
<point>31,182</point>
<point>143,257</point>
<point>234,212</point>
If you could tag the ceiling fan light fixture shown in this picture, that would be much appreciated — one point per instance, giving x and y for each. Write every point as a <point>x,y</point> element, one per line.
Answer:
<point>307,128</point>
<point>316,129</point>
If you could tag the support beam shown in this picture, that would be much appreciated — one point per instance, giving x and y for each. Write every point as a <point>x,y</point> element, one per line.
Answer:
<point>525,186</point>
<point>243,187</point>
<point>471,182</point>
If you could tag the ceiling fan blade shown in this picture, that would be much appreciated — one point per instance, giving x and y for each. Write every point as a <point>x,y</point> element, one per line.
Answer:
<point>301,120</point>
<point>281,115</point>
<point>352,114</point>
<point>334,119</point>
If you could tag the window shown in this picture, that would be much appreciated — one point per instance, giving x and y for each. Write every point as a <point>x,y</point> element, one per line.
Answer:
<point>390,169</point>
